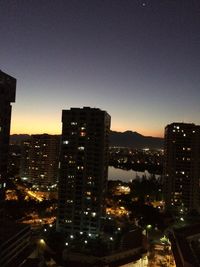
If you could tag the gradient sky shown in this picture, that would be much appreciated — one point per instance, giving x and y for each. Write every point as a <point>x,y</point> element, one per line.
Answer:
<point>139,60</point>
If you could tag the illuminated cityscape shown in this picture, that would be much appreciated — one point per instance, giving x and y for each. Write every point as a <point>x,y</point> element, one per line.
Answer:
<point>40,160</point>
<point>100,152</point>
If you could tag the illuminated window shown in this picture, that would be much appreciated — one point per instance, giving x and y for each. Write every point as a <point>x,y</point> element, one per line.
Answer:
<point>65,142</point>
<point>69,201</point>
<point>68,221</point>
<point>82,134</point>
<point>80,167</point>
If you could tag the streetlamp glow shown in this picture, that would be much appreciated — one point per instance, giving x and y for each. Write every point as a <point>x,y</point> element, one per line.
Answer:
<point>42,241</point>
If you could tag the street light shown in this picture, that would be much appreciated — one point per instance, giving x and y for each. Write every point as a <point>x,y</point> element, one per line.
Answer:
<point>42,242</point>
<point>149,226</point>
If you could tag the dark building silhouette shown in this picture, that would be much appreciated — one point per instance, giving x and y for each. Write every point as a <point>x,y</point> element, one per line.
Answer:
<point>7,95</point>
<point>14,160</point>
<point>182,166</point>
<point>185,245</point>
<point>83,170</point>
<point>14,238</point>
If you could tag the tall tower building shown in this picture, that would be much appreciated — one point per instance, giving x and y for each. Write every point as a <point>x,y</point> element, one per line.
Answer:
<point>182,166</point>
<point>83,170</point>
<point>7,95</point>
<point>14,238</point>
<point>39,163</point>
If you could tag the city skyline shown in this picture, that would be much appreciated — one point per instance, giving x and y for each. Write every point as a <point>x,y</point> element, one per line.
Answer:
<point>137,60</point>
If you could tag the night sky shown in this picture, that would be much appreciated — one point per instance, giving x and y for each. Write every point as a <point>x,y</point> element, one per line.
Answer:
<point>139,60</point>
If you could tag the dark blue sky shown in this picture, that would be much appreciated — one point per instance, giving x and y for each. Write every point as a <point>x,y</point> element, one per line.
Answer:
<point>139,60</point>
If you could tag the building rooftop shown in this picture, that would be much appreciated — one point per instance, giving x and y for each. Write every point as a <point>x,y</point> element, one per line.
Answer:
<point>8,84</point>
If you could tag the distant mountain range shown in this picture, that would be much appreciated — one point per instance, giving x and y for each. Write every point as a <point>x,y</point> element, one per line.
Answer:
<point>135,140</point>
<point>18,138</point>
<point>123,139</point>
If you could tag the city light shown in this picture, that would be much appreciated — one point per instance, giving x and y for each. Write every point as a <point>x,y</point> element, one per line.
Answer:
<point>42,241</point>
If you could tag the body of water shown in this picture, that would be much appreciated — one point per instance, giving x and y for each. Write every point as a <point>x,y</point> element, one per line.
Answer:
<point>124,175</point>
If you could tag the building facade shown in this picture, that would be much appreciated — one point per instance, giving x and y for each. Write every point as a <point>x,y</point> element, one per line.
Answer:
<point>7,95</point>
<point>14,238</point>
<point>16,245</point>
<point>83,170</point>
<point>182,166</point>
<point>39,161</point>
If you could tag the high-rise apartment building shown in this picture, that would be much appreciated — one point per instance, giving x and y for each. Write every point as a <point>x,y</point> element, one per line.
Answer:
<point>7,95</point>
<point>39,162</point>
<point>182,166</point>
<point>14,238</point>
<point>83,170</point>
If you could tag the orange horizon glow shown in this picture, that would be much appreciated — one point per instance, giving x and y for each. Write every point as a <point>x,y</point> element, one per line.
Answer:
<point>52,125</point>
<point>50,131</point>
